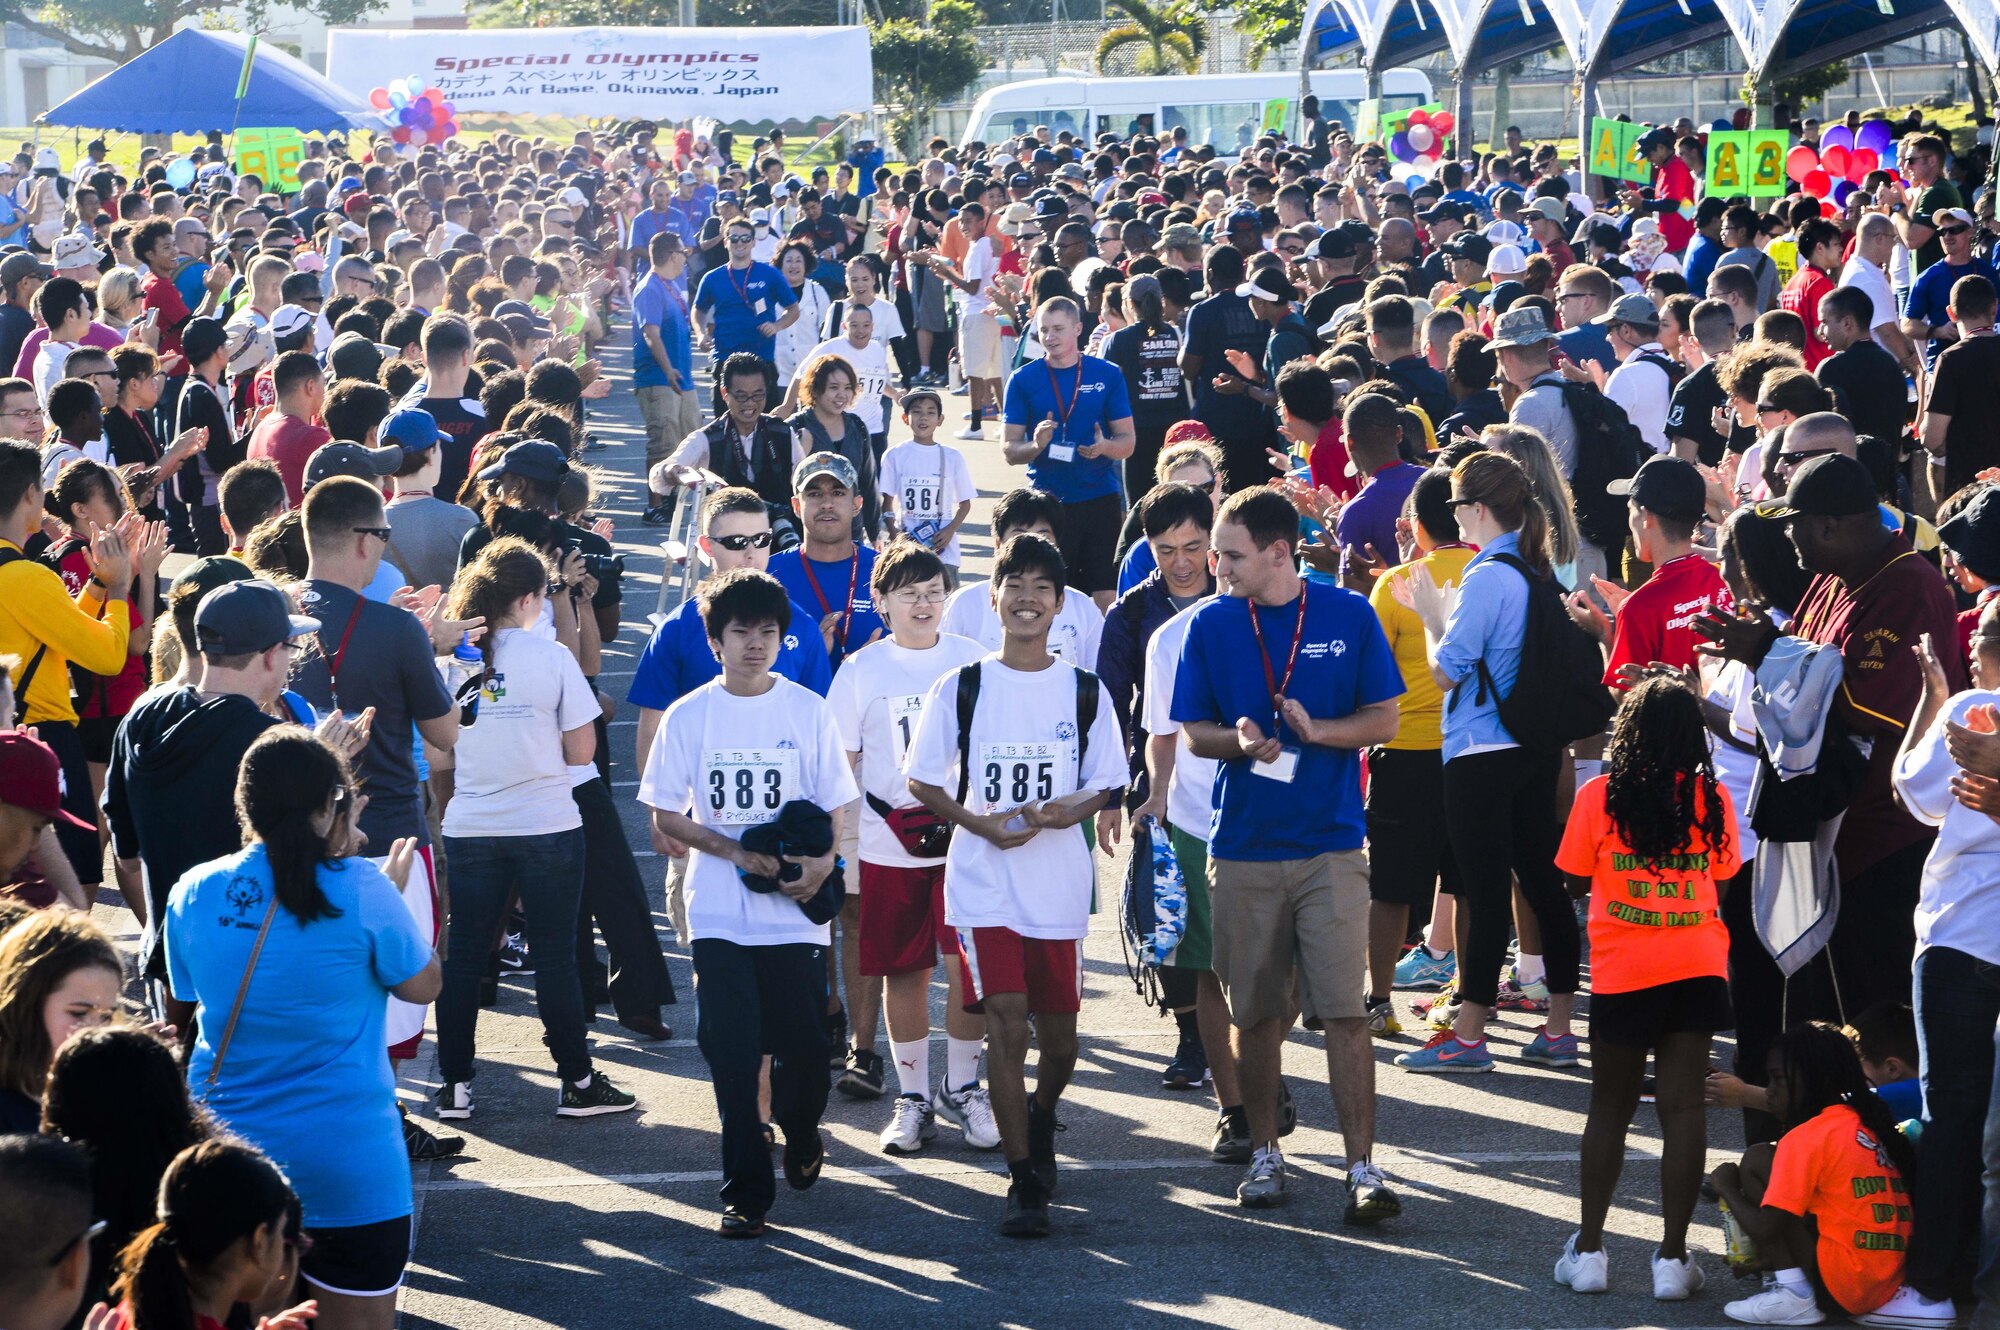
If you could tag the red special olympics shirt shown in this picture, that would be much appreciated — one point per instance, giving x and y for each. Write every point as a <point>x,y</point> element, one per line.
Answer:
<point>1656,623</point>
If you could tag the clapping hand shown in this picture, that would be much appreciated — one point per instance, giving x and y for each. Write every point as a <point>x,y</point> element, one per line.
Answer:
<point>344,736</point>
<point>109,555</point>
<point>402,858</point>
<point>1975,745</point>
<point>1250,738</point>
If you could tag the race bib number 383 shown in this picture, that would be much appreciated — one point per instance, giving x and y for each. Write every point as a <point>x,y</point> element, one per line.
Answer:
<point>745,787</point>
<point>1008,775</point>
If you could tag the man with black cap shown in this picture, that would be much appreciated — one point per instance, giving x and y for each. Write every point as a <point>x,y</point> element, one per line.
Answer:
<point>1667,499</point>
<point>1332,254</point>
<point>1443,220</point>
<point>1271,298</point>
<point>21,276</point>
<point>1468,252</point>
<point>1873,598</point>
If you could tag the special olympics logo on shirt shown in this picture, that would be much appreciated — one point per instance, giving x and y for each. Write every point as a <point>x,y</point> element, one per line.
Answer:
<point>1319,650</point>
<point>1066,731</point>
<point>791,641</point>
<point>244,892</point>
<point>785,744</point>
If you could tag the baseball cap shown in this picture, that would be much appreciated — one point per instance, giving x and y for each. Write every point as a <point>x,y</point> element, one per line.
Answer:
<point>1549,209</point>
<point>340,458</point>
<point>247,616</point>
<point>537,459</point>
<point>202,338</point>
<point>1521,327</point>
<point>74,251</point>
<point>825,464</point>
<point>1442,211</point>
<point>1243,217</point>
<point>1832,486</point>
<point>31,778</point>
<point>1181,235</point>
<point>920,395</point>
<point>21,265</point>
<point>1669,486</point>
<point>1504,233</point>
<point>508,311</point>
<point>1973,534</point>
<point>1073,171</point>
<point>353,356</point>
<point>1051,208</point>
<point>413,429</point>
<point>1334,244</point>
<point>1943,215</point>
<point>208,573</point>
<point>288,319</point>
<point>1470,246</point>
<point>1506,259</point>
<point>1043,157</point>
<point>687,178</point>
<point>1631,308</point>
<point>574,197</point>
<point>1271,286</point>
<point>1020,180</point>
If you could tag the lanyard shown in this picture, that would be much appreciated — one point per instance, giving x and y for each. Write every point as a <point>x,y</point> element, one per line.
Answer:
<point>847,606</point>
<point>1055,387</point>
<point>742,287</point>
<point>333,661</point>
<point>1278,685</point>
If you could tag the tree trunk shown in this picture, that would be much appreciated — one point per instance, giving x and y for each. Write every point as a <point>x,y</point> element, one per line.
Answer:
<point>1502,79</point>
<point>1972,79</point>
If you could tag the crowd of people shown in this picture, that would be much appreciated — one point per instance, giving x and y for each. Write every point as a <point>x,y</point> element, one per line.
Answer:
<point>1479,584</point>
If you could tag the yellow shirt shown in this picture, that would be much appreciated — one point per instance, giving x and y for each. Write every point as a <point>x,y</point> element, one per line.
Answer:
<point>1420,710</point>
<point>36,610</point>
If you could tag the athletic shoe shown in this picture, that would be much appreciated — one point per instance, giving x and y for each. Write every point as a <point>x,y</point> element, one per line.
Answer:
<point>1382,1019</point>
<point>1042,1129</point>
<point>863,1077</point>
<point>971,1111</point>
<point>425,1146</point>
<point>970,432</point>
<point>803,1160</point>
<point>1552,1052</point>
<point>455,1100</point>
<point>1264,1185</point>
<point>514,958</point>
<point>1440,1012</point>
<point>740,1223</point>
<point>911,1128</point>
<point>660,516</point>
<point>1189,1069</point>
<point>1909,1308</point>
<point>1369,1200</point>
<point>1583,1271</point>
<point>1027,1213</point>
<point>595,1100</point>
<point>1444,1053</point>
<point>1675,1281</point>
<point>964,388</point>
<point>1775,1305</point>
<point>836,1041</point>
<point>1288,1111</point>
<point>1422,971</point>
<point>1231,1143</point>
<point>1517,996</point>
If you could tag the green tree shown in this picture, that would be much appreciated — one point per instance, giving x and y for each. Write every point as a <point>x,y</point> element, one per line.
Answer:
<point>1271,25</point>
<point>1170,37</point>
<point>646,13</point>
<point>122,29</point>
<point>919,65</point>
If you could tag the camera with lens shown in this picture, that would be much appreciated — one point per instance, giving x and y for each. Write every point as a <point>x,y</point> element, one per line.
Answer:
<point>604,567</point>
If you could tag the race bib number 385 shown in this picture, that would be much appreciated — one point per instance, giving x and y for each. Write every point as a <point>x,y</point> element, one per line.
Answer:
<point>1008,775</point>
<point>745,787</point>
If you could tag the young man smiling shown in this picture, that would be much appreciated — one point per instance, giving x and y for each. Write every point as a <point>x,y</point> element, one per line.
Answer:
<point>829,574</point>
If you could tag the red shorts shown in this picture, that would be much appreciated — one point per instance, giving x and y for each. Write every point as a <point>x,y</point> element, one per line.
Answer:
<point>902,919</point>
<point>999,960</point>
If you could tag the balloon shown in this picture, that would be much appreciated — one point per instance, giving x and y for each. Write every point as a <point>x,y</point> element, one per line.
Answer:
<point>1442,123</point>
<point>400,133</point>
<point>1400,149</point>
<point>426,113</point>
<point>1834,159</point>
<point>1840,136</point>
<point>1828,211</point>
<point>418,138</point>
<point>1841,189</point>
<point>1860,162</point>
<point>1422,137</point>
<point>1428,164</point>
<point>1420,117</point>
<point>1874,136</point>
<point>448,131</point>
<point>435,96</point>
<point>1800,161</point>
<point>1722,125</point>
<point>447,111</point>
<point>415,83</point>
<point>1817,183</point>
<point>180,173</point>
<point>379,99</point>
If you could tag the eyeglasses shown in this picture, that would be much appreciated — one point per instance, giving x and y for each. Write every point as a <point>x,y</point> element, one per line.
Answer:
<point>1766,409</point>
<point>343,795</point>
<point>1794,459</point>
<point>97,1226</point>
<point>915,598</point>
<point>21,413</point>
<point>1463,503</point>
<point>299,1242</point>
<point>753,395</point>
<point>755,540</point>
<point>1958,230</point>
<point>381,533</point>
<point>741,239</point>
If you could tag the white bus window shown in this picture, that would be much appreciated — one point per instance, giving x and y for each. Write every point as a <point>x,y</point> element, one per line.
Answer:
<point>1125,124</point>
<point>1228,127</point>
<point>1014,124</point>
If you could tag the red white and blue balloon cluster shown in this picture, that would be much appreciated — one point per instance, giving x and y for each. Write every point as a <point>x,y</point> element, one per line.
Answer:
<point>413,113</point>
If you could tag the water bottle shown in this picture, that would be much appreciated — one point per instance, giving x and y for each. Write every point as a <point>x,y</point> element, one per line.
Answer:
<point>462,670</point>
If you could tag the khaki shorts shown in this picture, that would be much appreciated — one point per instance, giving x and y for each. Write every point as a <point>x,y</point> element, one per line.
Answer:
<point>979,346</point>
<point>670,416</point>
<point>1308,913</point>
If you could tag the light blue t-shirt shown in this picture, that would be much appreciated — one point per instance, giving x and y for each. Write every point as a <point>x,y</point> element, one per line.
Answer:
<point>1487,623</point>
<point>306,1078</point>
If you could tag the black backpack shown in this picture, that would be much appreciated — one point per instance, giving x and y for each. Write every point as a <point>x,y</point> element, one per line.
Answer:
<point>1673,369</point>
<point>27,676</point>
<point>1608,448</point>
<point>968,702</point>
<point>1559,694</point>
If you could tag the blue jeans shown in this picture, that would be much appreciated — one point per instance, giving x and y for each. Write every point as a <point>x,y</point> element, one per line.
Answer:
<point>487,873</point>
<point>1957,1005</point>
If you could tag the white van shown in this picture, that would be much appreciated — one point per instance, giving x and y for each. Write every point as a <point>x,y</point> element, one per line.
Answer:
<point>1225,111</point>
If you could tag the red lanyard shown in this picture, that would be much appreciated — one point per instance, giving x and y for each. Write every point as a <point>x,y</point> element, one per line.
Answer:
<point>742,287</point>
<point>1277,685</point>
<point>847,606</point>
<point>1055,387</point>
<point>333,661</point>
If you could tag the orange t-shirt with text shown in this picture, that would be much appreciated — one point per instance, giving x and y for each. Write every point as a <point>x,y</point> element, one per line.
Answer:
<point>1652,921</point>
<point>1833,1169</point>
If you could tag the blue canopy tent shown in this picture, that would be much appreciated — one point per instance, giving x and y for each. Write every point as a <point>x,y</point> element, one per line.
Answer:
<point>187,85</point>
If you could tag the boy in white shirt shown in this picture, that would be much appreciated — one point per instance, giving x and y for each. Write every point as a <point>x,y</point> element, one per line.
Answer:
<point>63,308</point>
<point>926,485</point>
<point>1040,756</point>
<point>1079,624</point>
<point>876,699</point>
<point>738,750</point>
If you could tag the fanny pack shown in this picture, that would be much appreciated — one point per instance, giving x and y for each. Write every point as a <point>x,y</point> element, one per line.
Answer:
<point>918,830</point>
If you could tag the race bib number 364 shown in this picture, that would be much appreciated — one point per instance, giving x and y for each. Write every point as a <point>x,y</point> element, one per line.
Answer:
<point>745,787</point>
<point>1008,775</point>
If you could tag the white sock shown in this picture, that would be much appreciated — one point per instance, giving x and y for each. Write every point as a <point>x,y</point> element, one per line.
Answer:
<point>584,1084</point>
<point>1528,969</point>
<point>913,1065</point>
<point>961,1062</point>
<point>1794,1280</point>
<point>1434,953</point>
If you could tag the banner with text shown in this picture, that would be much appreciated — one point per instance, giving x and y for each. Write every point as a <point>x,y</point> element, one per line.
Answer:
<point>665,74</point>
<point>1614,151</point>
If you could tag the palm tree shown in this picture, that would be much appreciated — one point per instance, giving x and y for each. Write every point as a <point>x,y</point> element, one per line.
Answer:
<point>1170,36</point>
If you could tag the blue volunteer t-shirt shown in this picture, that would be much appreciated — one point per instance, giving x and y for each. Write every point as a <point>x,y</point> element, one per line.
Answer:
<point>655,302</point>
<point>307,1079</point>
<point>1344,664</point>
<point>819,590</point>
<point>1087,397</point>
<point>1930,296</point>
<point>677,660</point>
<point>1138,565</point>
<point>739,300</point>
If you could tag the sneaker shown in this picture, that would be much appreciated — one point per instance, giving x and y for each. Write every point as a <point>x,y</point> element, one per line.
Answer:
<point>1382,1019</point>
<point>1264,1185</point>
<point>660,516</point>
<point>1042,1129</point>
<point>1775,1305</point>
<point>804,1158</point>
<point>1583,1271</point>
<point>1027,1213</point>
<point>424,1145</point>
<point>455,1100</point>
<point>1288,1111</point>
<point>836,1041</point>
<point>1559,1051</point>
<point>1907,1307</point>
<point>1231,1143</point>
<point>1423,971</point>
<point>964,388</point>
<point>1516,996</point>
<point>862,1078</point>
<point>911,1128</point>
<point>514,958</point>
<point>971,1111</point>
<point>1440,1012</point>
<point>595,1100</point>
<point>1369,1200</point>
<point>970,432</point>
<point>1444,1053</point>
<point>1676,1281</point>
<point>740,1223</point>
<point>1189,1069</point>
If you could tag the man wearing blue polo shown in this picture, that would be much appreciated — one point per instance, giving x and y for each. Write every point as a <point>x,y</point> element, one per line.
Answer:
<point>1069,421</point>
<point>743,305</point>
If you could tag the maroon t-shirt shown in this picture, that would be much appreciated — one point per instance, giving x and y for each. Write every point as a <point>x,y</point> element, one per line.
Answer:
<point>288,441</point>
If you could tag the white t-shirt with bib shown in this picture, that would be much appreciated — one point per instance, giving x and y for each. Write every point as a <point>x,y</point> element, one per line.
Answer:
<point>511,779</point>
<point>1074,636</point>
<point>871,366</point>
<point>928,482</point>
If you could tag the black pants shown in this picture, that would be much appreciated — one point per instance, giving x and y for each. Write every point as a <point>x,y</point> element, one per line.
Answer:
<point>1875,938</point>
<point>754,1001</point>
<point>1500,812</point>
<point>82,848</point>
<point>1957,1006</point>
<point>615,895</point>
<point>1759,992</point>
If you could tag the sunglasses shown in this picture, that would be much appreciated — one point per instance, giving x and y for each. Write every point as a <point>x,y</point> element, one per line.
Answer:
<point>1794,459</point>
<point>97,1226</point>
<point>756,540</point>
<point>1958,230</point>
<point>1463,503</point>
<point>381,533</point>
